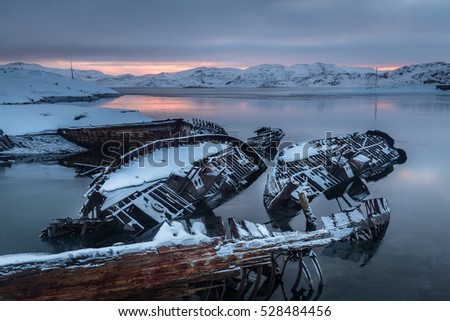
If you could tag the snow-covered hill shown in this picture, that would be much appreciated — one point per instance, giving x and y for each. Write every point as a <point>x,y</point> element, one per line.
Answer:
<point>435,72</point>
<point>26,83</point>
<point>267,76</point>
<point>313,75</point>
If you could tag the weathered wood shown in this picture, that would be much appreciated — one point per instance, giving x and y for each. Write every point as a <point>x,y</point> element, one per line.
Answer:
<point>137,274</point>
<point>237,230</point>
<point>220,227</point>
<point>5,142</point>
<point>311,220</point>
<point>126,136</point>
<point>326,165</point>
<point>209,182</point>
<point>152,270</point>
<point>252,229</point>
<point>201,126</point>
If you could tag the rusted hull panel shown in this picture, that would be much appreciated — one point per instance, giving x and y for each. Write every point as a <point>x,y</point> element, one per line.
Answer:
<point>127,135</point>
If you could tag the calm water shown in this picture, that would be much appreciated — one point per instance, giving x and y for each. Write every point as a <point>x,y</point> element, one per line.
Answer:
<point>411,262</point>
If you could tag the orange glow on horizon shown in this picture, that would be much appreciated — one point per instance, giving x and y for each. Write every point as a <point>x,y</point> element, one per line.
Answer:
<point>382,68</point>
<point>131,67</point>
<point>140,68</point>
<point>389,68</point>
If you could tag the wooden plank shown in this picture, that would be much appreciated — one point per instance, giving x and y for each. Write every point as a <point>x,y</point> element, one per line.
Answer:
<point>263,230</point>
<point>220,227</point>
<point>252,229</point>
<point>130,275</point>
<point>237,230</point>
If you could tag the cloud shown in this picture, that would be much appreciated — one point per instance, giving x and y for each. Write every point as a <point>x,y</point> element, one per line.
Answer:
<point>238,31</point>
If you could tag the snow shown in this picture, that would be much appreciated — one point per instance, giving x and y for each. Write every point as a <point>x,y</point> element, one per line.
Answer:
<point>86,75</point>
<point>241,232</point>
<point>263,230</point>
<point>168,235</point>
<point>317,178</point>
<point>335,79</point>
<point>361,158</point>
<point>42,144</point>
<point>317,75</point>
<point>160,164</point>
<point>19,85</point>
<point>176,234</point>
<point>47,118</point>
<point>341,225</point>
<point>253,229</point>
<point>298,151</point>
<point>198,228</point>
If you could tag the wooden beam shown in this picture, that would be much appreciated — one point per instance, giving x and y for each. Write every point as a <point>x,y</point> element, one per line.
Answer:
<point>132,275</point>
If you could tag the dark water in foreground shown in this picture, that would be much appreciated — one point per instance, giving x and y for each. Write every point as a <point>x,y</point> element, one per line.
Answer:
<point>411,262</point>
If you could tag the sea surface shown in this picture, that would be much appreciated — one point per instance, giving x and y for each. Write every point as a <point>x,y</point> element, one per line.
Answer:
<point>412,262</point>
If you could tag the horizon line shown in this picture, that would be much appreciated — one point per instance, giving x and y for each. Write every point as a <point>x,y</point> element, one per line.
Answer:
<point>118,68</point>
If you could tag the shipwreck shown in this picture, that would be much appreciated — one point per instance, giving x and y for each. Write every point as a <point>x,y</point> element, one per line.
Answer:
<point>160,197</point>
<point>328,166</point>
<point>169,179</point>
<point>245,261</point>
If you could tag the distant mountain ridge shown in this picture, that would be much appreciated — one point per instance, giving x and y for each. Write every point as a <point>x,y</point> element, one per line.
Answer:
<point>268,76</point>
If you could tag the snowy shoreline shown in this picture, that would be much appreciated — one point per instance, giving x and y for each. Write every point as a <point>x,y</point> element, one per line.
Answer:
<point>65,99</point>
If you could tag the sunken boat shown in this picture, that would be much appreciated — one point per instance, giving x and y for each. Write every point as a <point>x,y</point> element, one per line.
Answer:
<point>166,180</point>
<point>244,261</point>
<point>266,141</point>
<point>328,166</point>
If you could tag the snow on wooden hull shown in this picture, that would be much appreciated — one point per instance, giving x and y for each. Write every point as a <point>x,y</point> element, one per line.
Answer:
<point>181,261</point>
<point>319,166</point>
<point>161,182</point>
<point>266,141</point>
<point>110,140</point>
<point>125,136</point>
<point>150,273</point>
<point>204,127</point>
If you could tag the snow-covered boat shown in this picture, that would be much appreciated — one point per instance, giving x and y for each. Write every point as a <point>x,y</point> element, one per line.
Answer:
<point>164,184</point>
<point>165,180</point>
<point>266,141</point>
<point>245,261</point>
<point>319,166</point>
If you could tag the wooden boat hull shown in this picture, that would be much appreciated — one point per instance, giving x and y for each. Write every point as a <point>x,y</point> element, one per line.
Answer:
<point>320,166</point>
<point>176,266</point>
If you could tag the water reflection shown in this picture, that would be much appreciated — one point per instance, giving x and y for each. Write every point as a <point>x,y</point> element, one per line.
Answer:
<point>360,252</point>
<point>265,282</point>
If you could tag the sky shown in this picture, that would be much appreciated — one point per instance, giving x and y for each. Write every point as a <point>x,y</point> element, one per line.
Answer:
<point>152,36</point>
